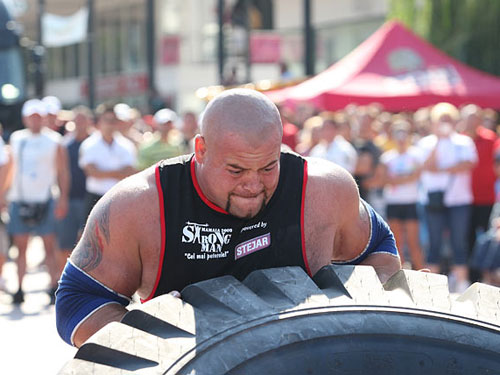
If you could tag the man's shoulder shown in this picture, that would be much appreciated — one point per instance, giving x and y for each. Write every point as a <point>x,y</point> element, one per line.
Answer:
<point>92,140</point>
<point>429,141</point>
<point>388,156</point>
<point>462,140</point>
<point>125,143</point>
<point>19,135</point>
<point>135,192</point>
<point>325,175</point>
<point>51,135</point>
<point>487,134</point>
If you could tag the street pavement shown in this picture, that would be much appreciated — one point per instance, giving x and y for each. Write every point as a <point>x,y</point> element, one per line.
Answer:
<point>29,342</point>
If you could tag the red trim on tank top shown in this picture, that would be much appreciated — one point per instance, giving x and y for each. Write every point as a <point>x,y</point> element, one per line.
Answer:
<point>213,206</point>
<point>163,233</point>
<point>302,233</point>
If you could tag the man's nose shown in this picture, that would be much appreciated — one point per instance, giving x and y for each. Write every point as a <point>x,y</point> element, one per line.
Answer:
<point>252,183</point>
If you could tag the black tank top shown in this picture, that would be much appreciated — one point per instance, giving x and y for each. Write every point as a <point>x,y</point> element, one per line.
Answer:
<point>201,241</point>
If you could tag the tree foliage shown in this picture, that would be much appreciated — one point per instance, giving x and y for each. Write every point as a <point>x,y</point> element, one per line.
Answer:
<point>468,30</point>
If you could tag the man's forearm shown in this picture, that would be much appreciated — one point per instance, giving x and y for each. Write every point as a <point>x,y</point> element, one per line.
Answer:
<point>460,167</point>
<point>110,313</point>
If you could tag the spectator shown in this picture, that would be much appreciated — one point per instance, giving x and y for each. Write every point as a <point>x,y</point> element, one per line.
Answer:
<point>5,181</point>
<point>490,119</point>
<point>290,131</point>
<point>40,164</point>
<point>70,227</point>
<point>384,139</point>
<point>163,144</point>
<point>446,179</point>
<point>106,156</point>
<point>333,146</point>
<point>189,129</point>
<point>54,107</point>
<point>344,125</point>
<point>399,171</point>
<point>310,135</point>
<point>126,120</point>
<point>483,176</point>
<point>486,255</point>
<point>422,123</point>
<point>368,155</point>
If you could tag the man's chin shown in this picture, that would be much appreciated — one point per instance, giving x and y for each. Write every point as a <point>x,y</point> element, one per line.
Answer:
<point>245,212</point>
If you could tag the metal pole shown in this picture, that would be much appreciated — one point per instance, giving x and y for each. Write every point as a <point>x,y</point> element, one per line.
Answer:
<point>38,53</point>
<point>309,48</point>
<point>151,42</point>
<point>90,55</point>
<point>220,41</point>
<point>248,62</point>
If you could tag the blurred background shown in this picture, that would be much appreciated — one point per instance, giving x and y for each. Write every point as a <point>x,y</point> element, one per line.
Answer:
<point>357,82</point>
<point>150,53</point>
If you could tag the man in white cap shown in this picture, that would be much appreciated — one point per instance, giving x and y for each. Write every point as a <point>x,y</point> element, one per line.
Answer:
<point>40,165</point>
<point>126,119</point>
<point>163,145</point>
<point>53,107</point>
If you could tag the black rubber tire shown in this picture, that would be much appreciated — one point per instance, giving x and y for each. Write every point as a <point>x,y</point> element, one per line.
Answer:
<point>280,321</point>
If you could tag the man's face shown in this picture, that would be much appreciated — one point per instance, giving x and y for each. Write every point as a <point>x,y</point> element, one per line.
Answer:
<point>108,123</point>
<point>82,122</point>
<point>444,126</point>
<point>329,130</point>
<point>165,127</point>
<point>34,122</point>
<point>237,176</point>
<point>189,125</point>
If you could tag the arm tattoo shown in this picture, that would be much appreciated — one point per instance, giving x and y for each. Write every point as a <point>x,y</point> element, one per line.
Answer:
<point>89,254</point>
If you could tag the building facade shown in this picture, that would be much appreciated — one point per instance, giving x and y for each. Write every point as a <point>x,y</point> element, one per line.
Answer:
<point>186,45</point>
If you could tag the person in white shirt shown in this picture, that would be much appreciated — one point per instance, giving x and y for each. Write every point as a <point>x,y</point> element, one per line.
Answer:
<point>5,180</point>
<point>446,180</point>
<point>334,147</point>
<point>106,156</point>
<point>40,165</point>
<point>399,171</point>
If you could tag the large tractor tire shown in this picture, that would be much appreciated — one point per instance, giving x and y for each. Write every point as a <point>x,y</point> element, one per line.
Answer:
<point>280,321</point>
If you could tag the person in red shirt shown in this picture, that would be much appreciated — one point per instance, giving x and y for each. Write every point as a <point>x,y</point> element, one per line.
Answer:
<point>483,175</point>
<point>290,131</point>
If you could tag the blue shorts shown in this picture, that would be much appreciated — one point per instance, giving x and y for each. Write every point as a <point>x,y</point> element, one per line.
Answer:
<point>68,228</point>
<point>16,226</point>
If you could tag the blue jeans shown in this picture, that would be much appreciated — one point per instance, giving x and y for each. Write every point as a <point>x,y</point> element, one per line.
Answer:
<point>457,220</point>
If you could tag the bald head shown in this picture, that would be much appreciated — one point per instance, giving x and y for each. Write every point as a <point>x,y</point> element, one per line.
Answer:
<point>241,112</point>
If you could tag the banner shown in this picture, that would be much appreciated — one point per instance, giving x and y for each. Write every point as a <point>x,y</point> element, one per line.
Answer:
<point>59,31</point>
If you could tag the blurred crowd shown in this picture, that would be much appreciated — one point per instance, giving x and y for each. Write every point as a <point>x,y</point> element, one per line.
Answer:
<point>54,170</point>
<point>432,174</point>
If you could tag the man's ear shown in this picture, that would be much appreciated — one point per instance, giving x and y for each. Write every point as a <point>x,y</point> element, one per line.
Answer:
<point>200,148</point>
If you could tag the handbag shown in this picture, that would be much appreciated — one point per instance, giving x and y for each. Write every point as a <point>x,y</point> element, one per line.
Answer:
<point>31,213</point>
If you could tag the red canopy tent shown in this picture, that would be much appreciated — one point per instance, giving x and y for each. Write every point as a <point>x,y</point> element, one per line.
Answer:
<point>397,69</point>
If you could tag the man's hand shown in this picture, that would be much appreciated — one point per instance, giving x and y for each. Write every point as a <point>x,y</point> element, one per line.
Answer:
<point>61,209</point>
<point>385,265</point>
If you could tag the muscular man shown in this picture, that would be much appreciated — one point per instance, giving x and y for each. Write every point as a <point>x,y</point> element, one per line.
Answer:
<point>236,205</point>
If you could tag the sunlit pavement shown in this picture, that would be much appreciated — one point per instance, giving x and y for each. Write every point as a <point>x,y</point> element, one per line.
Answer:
<point>29,343</point>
